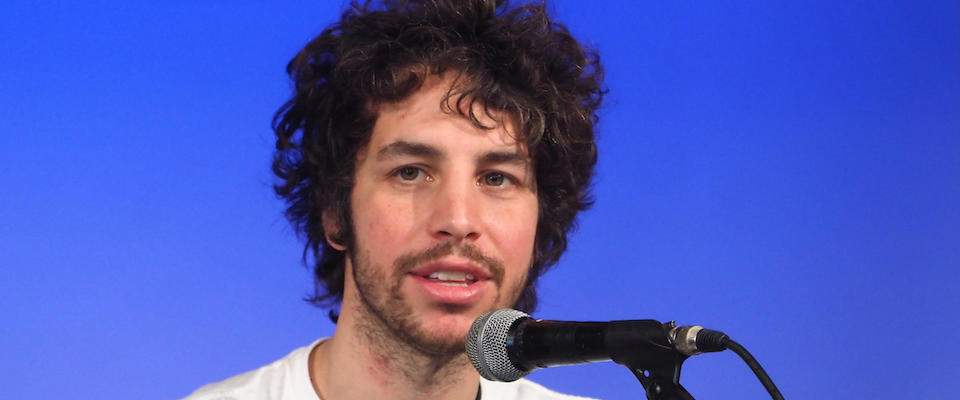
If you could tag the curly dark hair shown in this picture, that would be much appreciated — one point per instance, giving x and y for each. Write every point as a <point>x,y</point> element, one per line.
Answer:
<point>512,59</point>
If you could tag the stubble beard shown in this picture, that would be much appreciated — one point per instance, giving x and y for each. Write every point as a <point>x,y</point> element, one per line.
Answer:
<point>387,318</point>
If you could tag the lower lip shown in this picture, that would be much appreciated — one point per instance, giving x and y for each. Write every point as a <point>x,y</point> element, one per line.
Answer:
<point>456,295</point>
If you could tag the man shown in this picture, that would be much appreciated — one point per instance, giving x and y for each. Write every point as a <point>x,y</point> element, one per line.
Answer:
<point>434,155</point>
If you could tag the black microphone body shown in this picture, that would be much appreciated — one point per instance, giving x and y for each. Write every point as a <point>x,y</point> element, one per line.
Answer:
<point>533,344</point>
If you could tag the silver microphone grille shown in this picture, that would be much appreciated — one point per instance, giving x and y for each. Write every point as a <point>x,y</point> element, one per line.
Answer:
<point>487,345</point>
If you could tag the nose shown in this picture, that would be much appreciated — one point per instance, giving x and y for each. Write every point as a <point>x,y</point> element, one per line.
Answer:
<point>455,213</point>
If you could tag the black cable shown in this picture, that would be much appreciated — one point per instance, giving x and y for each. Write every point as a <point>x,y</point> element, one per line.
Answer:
<point>756,368</point>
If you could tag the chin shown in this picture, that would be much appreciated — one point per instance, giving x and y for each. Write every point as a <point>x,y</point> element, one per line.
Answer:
<point>441,341</point>
<point>445,332</point>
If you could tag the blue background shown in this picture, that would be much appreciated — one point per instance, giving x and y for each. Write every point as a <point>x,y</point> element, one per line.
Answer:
<point>788,172</point>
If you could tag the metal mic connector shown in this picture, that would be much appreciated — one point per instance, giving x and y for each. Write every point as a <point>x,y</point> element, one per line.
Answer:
<point>693,340</point>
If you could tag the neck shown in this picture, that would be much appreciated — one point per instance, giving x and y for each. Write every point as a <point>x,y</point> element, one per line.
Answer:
<point>364,360</point>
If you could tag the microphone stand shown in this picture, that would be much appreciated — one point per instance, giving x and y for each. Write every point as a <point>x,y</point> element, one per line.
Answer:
<point>644,347</point>
<point>662,383</point>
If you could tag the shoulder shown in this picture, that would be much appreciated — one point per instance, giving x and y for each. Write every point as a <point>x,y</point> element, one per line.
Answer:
<point>520,390</point>
<point>286,378</point>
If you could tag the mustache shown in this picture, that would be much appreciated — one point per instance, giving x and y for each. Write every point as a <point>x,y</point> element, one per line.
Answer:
<point>407,262</point>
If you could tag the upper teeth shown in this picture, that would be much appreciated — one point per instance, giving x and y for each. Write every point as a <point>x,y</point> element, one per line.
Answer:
<point>451,276</point>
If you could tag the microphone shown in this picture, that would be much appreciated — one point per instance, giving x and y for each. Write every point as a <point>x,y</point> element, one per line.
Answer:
<point>506,344</point>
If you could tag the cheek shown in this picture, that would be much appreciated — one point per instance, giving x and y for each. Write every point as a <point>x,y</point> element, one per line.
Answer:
<point>378,222</point>
<point>516,229</point>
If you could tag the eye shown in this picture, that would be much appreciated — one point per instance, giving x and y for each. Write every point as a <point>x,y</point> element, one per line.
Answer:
<point>494,179</point>
<point>408,173</point>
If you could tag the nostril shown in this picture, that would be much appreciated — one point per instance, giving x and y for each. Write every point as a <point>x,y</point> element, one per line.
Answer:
<point>457,236</point>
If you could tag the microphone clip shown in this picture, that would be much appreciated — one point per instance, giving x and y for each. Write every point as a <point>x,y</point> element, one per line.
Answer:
<point>654,359</point>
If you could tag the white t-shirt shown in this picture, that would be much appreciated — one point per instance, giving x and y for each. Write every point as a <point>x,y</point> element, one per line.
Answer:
<point>289,379</point>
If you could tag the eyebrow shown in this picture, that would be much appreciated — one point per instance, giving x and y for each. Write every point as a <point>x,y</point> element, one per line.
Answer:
<point>403,148</point>
<point>505,157</point>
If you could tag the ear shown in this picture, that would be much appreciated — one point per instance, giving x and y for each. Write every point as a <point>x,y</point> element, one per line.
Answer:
<point>331,229</point>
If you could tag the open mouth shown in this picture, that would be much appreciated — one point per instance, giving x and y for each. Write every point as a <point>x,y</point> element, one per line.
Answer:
<point>451,278</point>
<point>452,283</point>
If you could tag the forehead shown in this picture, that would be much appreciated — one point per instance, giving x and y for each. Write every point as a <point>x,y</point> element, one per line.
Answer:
<point>437,113</point>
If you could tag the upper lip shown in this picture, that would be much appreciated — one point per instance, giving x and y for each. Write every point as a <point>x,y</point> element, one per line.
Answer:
<point>453,266</point>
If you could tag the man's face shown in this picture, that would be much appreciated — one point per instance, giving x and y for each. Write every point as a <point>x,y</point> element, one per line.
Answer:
<point>444,217</point>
